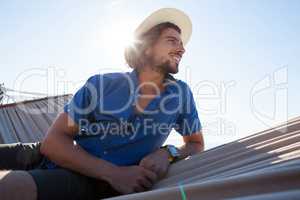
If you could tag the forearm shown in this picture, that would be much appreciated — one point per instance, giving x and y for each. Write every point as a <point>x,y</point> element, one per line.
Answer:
<point>60,149</point>
<point>190,148</point>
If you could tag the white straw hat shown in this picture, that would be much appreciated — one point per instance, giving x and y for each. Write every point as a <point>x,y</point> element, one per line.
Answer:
<point>172,15</point>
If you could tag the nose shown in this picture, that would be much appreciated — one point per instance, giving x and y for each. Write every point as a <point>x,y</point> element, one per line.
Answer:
<point>180,49</point>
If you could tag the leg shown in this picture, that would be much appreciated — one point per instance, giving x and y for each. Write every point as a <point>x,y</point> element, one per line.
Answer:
<point>19,156</point>
<point>66,184</point>
<point>16,185</point>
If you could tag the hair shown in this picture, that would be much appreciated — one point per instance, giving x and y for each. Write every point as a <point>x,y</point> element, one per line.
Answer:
<point>135,53</point>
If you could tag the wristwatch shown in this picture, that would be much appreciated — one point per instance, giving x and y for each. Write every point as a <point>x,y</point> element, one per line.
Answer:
<point>174,153</point>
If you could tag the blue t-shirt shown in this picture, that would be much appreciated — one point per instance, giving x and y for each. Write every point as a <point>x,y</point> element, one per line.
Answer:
<point>112,130</point>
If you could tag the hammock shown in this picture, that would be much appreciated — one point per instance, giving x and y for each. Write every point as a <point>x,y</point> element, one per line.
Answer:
<point>264,166</point>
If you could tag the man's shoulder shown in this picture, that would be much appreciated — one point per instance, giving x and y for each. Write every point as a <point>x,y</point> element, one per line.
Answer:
<point>183,85</point>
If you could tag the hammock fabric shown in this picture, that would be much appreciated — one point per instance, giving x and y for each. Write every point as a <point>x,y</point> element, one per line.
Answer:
<point>28,121</point>
<point>263,166</point>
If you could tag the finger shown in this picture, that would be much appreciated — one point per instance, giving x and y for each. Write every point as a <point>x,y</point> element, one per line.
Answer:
<point>162,172</point>
<point>147,164</point>
<point>159,171</point>
<point>142,162</point>
<point>139,188</point>
<point>151,167</point>
<point>150,175</point>
<point>146,183</point>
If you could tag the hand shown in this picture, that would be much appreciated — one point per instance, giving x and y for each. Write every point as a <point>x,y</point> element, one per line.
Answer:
<point>157,162</point>
<point>131,179</point>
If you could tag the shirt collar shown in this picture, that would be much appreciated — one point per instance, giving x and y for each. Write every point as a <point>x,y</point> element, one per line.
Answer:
<point>169,79</point>
<point>134,77</point>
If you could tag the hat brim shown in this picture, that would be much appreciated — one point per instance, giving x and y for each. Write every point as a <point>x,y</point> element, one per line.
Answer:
<point>171,15</point>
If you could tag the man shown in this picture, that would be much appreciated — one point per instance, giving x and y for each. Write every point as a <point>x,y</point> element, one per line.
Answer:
<point>108,141</point>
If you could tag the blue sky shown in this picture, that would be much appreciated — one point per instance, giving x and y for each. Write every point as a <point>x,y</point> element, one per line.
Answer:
<point>242,61</point>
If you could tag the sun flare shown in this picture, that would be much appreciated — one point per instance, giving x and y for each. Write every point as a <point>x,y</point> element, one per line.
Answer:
<point>118,36</point>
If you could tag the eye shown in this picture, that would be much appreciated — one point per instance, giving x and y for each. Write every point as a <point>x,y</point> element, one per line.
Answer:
<point>172,41</point>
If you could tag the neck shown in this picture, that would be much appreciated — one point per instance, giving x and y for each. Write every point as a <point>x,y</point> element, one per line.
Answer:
<point>151,80</point>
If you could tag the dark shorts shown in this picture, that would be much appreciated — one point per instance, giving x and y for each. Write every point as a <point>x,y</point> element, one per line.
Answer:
<point>65,184</point>
<point>52,183</point>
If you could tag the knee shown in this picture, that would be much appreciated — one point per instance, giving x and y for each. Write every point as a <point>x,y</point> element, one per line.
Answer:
<point>17,185</point>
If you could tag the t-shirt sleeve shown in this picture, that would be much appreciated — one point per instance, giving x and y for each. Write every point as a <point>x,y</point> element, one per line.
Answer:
<point>188,122</point>
<point>83,104</point>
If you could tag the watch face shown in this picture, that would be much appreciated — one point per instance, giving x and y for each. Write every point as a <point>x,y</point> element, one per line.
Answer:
<point>173,151</point>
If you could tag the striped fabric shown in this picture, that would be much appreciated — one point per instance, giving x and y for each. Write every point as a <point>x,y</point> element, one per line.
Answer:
<point>28,121</point>
<point>263,166</point>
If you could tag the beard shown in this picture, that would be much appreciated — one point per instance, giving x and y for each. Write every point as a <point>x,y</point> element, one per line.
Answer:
<point>165,67</point>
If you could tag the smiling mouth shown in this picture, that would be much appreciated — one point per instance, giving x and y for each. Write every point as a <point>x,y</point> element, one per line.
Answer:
<point>176,57</point>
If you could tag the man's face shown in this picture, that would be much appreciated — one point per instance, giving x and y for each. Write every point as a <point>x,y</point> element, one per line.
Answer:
<point>166,52</point>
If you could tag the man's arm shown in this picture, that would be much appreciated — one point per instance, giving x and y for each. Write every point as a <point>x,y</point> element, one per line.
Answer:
<point>59,147</point>
<point>193,144</point>
<point>158,161</point>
